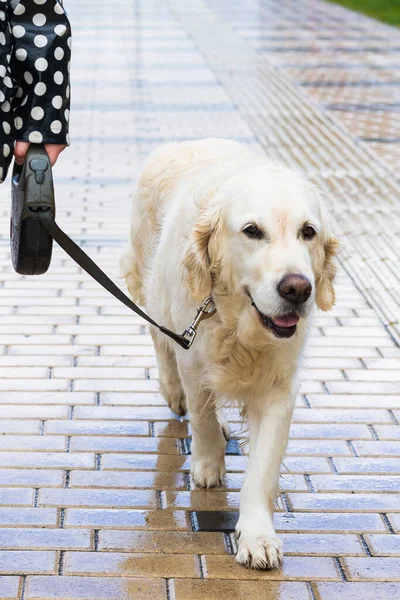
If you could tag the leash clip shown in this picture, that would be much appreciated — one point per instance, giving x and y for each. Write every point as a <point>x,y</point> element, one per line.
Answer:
<point>205,311</point>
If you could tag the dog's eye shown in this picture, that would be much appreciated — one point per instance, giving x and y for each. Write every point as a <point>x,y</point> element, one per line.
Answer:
<point>253,231</point>
<point>308,232</point>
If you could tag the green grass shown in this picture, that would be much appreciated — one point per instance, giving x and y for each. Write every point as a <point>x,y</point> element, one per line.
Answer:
<point>387,11</point>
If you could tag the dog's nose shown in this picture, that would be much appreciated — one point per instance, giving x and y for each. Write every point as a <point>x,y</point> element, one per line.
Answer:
<point>296,289</point>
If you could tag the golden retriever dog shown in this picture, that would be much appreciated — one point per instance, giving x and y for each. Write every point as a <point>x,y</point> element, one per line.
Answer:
<point>211,218</point>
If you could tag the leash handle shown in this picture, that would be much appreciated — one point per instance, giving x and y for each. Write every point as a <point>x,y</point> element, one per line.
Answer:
<point>88,265</point>
<point>32,190</point>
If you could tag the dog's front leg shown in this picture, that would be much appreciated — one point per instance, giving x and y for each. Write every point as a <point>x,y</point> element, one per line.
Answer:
<point>269,422</point>
<point>208,441</point>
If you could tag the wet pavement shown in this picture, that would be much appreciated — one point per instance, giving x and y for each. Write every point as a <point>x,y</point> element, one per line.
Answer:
<point>96,500</point>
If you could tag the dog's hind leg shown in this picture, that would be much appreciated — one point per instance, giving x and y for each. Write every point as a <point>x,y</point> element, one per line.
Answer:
<point>208,440</point>
<point>170,382</point>
<point>224,423</point>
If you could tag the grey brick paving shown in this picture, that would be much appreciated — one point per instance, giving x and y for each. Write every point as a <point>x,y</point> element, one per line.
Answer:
<point>95,494</point>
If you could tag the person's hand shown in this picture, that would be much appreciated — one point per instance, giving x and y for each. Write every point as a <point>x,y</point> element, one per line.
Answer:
<point>53,150</point>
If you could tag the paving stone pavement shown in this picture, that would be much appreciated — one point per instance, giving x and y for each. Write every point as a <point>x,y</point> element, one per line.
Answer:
<point>96,500</point>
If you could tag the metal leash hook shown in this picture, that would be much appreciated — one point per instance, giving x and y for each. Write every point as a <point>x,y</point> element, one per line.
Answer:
<point>205,311</point>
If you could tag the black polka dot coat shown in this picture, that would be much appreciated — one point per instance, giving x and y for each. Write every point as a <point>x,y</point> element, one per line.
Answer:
<point>35,51</point>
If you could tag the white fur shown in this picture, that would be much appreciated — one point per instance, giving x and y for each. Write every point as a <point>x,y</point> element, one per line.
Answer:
<point>192,203</point>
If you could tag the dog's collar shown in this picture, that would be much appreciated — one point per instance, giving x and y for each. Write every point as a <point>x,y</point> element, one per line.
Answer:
<point>205,311</point>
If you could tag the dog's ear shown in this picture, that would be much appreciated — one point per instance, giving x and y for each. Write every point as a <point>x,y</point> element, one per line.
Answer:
<point>325,293</point>
<point>201,259</point>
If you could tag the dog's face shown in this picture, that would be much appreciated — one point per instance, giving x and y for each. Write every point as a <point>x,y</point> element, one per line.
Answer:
<point>266,241</point>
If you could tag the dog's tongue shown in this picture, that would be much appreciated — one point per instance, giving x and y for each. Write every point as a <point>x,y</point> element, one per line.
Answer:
<point>286,321</point>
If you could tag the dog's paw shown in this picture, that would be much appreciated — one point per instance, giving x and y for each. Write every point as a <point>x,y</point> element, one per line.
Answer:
<point>259,552</point>
<point>175,396</point>
<point>207,473</point>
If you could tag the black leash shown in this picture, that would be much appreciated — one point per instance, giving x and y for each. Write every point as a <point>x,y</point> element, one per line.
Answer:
<point>88,265</point>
